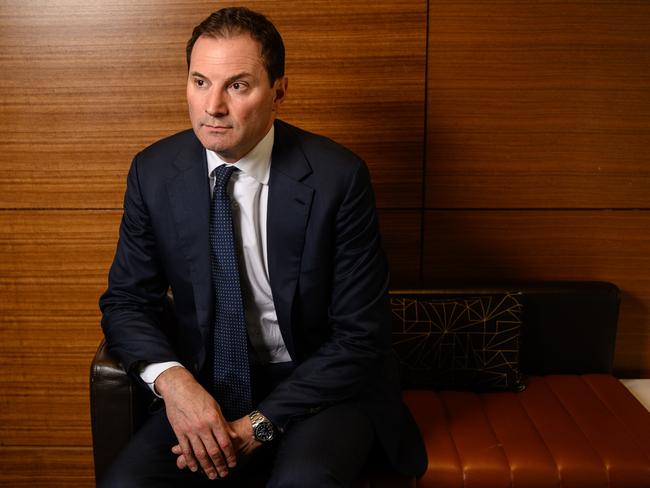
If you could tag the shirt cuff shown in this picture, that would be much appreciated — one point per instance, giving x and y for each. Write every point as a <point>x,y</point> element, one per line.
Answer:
<point>151,371</point>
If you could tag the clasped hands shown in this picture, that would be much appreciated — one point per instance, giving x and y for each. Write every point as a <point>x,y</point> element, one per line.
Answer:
<point>206,440</point>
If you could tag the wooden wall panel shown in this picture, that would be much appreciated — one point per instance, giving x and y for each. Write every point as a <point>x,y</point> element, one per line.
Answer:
<point>46,468</point>
<point>486,246</point>
<point>401,232</point>
<point>53,268</point>
<point>357,74</point>
<point>87,84</point>
<point>538,104</point>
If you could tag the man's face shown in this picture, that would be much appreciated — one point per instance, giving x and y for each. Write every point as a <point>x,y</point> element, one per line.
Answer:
<point>231,101</point>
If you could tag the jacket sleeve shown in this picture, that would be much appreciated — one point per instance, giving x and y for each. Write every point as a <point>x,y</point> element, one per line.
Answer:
<point>133,302</point>
<point>352,357</point>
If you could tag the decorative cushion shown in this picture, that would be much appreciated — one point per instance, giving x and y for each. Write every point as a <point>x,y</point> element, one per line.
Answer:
<point>470,343</point>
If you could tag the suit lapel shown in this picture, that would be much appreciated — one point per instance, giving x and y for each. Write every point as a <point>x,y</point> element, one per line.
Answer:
<point>189,194</point>
<point>289,204</point>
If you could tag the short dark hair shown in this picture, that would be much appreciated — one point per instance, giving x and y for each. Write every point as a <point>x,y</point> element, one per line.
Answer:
<point>232,21</point>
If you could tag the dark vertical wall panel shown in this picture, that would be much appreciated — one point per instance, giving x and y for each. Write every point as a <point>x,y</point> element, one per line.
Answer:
<point>538,115</point>
<point>538,104</point>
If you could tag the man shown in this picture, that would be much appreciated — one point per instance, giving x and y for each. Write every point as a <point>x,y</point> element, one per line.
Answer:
<point>280,356</point>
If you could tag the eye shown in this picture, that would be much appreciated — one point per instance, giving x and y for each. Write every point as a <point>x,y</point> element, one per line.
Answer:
<point>238,86</point>
<point>199,82</point>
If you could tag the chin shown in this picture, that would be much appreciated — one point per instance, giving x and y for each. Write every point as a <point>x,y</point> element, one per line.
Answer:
<point>213,143</point>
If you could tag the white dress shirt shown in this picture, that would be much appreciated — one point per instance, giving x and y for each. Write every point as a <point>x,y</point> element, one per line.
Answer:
<point>249,189</point>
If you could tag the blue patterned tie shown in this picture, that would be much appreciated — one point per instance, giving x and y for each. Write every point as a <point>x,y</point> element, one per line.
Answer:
<point>232,386</point>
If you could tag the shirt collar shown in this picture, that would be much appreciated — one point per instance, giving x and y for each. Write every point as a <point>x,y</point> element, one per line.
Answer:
<point>256,163</point>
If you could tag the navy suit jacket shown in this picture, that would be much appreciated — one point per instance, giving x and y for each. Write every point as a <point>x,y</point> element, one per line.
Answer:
<point>328,275</point>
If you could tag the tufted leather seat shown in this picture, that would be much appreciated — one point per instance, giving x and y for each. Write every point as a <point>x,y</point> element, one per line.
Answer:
<point>563,430</point>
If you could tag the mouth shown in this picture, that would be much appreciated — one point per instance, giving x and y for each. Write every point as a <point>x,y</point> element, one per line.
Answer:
<point>217,128</point>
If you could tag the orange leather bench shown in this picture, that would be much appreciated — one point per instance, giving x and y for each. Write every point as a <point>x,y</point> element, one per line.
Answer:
<point>563,430</point>
<point>574,424</point>
<point>529,401</point>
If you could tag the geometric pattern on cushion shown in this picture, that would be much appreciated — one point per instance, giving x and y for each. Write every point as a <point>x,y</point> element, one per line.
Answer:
<point>469,344</point>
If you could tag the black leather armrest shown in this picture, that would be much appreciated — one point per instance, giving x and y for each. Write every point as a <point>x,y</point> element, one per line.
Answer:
<point>116,408</point>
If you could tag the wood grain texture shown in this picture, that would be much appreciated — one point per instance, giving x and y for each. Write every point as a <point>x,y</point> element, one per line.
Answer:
<point>53,267</point>
<point>538,104</point>
<point>401,236</point>
<point>46,467</point>
<point>87,84</point>
<point>484,246</point>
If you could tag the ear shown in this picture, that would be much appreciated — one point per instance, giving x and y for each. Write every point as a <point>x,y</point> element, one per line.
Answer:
<point>279,91</point>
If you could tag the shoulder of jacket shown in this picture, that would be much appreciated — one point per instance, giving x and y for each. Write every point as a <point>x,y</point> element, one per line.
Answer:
<point>169,146</point>
<point>321,150</point>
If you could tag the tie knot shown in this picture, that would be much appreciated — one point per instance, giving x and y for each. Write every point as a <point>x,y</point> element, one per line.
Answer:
<point>222,174</point>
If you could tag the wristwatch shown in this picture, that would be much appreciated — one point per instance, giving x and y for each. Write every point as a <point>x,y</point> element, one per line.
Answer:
<point>262,427</point>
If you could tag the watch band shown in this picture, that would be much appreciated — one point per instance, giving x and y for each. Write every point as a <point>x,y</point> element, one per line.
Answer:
<point>263,430</point>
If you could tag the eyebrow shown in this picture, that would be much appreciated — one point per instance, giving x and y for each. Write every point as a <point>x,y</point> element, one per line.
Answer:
<point>238,76</point>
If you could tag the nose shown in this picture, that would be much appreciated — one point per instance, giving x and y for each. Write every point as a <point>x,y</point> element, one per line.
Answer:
<point>216,105</point>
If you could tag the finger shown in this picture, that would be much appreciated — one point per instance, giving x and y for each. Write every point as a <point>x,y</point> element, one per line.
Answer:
<point>186,450</point>
<point>180,462</point>
<point>224,438</point>
<point>201,454</point>
<point>214,451</point>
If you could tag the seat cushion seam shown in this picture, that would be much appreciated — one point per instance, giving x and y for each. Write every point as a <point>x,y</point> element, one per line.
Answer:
<point>451,436</point>
<point>546,446</point>
<point>598,454</point>
<point>499,443</point>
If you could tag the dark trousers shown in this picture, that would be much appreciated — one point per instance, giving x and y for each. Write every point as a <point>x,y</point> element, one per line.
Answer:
<point>327,449</point>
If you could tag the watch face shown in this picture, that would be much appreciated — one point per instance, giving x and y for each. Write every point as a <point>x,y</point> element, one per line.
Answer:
<point>264,431</point>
